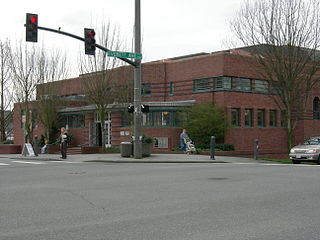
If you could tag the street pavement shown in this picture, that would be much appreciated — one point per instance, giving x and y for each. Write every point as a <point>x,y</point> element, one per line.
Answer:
<point>74,199</point>
<point>154,158</point>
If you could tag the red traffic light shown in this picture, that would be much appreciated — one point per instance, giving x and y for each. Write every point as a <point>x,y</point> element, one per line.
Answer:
<point>91,34</point>
<point>33,19</point>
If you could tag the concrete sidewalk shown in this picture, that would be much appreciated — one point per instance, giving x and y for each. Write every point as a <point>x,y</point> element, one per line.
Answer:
<point>154,158</point>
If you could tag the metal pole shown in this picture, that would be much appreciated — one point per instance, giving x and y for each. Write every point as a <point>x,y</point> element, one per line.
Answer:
<point>35,145</point>
<point>137,144</point>
<point>212,147</point>
<point>256,149</point>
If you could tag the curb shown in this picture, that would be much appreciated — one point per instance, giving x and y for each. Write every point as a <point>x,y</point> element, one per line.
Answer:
<point>155,161</point>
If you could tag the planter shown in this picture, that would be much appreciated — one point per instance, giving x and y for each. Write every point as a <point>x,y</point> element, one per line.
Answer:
<point>53,149</point>
<point>90,149</point>
<point>10,149</point>
<point>146,149</point>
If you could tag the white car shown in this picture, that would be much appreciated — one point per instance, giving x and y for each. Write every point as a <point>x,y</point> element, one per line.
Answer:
<point>308,151</point>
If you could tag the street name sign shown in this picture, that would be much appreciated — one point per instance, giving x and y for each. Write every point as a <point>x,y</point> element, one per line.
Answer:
<point>124,54</point>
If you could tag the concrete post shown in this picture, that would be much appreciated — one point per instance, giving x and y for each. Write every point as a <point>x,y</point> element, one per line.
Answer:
<point>256,149</point>
<point>212,147</point>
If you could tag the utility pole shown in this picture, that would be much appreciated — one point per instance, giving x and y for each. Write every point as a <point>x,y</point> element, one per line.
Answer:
<point>137,140</point>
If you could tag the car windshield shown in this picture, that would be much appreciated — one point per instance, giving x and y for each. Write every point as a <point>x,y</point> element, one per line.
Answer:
<point>312,141</point>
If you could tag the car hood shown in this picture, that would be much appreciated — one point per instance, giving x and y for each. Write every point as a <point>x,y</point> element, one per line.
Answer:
<point>306,147</point>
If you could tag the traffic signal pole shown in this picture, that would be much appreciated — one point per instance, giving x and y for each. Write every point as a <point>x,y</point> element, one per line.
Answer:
<point>82,39</point>
<point>137,129</point>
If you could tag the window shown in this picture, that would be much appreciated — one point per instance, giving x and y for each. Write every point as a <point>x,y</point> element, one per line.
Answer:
<point>261,118</point>
<point>146,89</point>
<point>283,117</point>
<point>273,118</point>
<point>316,109</point>
<point>248,117</point>
<point>160,142</point>
<point>126,119</point>
<point>160,118</point>
<point>202,85</point>
<point>235,117</point>
<point>261,86</point>
<point>171,89</point>
<point>241,84</point>
<point>222,83</point>
<point>72,120</point>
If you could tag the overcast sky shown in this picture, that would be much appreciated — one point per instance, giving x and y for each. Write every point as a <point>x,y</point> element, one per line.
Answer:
<point>170,28</point>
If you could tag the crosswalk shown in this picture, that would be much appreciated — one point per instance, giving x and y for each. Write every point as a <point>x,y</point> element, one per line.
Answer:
<point>32,163</point>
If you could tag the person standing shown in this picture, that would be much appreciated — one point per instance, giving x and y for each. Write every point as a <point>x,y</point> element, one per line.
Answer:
<point>183,137</point>
<point>64,142</point>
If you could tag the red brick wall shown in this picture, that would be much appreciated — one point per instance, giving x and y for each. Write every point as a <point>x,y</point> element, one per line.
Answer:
<point>182,72</point>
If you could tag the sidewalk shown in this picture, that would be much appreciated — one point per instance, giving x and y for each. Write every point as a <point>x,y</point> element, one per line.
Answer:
<point>154,158</point>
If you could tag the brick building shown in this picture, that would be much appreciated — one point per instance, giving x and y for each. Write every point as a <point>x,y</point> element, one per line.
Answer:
<point>229,78</point>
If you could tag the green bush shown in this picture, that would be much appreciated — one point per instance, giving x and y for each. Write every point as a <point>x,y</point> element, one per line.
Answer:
<point>8,142</point>
<point>225,147</point>
<point>219,147</point>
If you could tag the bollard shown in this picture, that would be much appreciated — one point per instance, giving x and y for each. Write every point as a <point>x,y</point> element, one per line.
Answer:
<point>212,147</point>
<point>256,149</point>
<point>35,145</point>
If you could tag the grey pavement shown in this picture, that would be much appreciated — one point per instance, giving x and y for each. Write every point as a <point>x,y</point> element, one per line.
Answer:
<point>154,158</point>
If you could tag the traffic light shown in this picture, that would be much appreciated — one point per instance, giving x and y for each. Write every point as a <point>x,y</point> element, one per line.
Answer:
<point>131,109</point>
<point>32,27</point>
<point>89,41</point>
<point>144,108</point>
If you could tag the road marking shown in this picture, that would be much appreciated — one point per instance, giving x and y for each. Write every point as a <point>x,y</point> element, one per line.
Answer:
<point>4,164</point>
<point>36,163</point>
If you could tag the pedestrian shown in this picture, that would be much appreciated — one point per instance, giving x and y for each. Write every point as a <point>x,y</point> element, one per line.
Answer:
<point>45,147</point>
<point>183,137</point>
<point>64,142</point>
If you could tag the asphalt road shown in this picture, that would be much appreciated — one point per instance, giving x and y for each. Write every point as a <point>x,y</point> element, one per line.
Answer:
<point>65,200</point>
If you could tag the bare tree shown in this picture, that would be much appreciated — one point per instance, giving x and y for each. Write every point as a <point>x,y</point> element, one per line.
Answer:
<point>51,66</point>
<point>102,84</point>
<point>6,88</point>
<point>286,38</point>
<point>23,62</point>
<point>30,68</point>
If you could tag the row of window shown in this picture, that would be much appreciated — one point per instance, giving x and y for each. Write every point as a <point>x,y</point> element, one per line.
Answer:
<point>216,84</point>
<point>260,117</point>
<point>72,120</point>
<point>166,118</point>
<point>230,83</point>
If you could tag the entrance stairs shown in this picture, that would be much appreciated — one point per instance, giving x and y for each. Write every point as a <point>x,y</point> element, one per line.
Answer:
<point>71,151</point>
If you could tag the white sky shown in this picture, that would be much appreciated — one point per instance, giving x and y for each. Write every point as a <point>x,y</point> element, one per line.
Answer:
<point>170,28</point>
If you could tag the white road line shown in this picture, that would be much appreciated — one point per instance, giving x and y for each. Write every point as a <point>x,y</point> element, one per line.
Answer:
<point>36,163</point>
<point>4,164</point>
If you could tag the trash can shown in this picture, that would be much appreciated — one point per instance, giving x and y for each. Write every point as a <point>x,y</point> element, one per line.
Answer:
<point>126,149</point>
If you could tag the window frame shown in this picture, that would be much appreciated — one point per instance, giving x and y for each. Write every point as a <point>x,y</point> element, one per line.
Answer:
<point>235,122</point>
<point>262,122</point>
<point>250,115</point>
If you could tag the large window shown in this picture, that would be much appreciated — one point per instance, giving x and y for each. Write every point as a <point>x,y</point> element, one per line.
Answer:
<point>171,88</point>
<point>316,108</point>
<point>222,83</point>
<point>160,118</point>
<point>248,117</point>
<point>73,120</point>
<point>241,84</point>
<point>261,86</point>
<point>145,89</point>
<point>202,85</point>
<point>235,117</point>
<point>273,118</point>
<point>261,118</point>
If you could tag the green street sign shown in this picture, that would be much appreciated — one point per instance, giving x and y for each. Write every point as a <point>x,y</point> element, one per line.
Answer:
<point>124,54</point>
